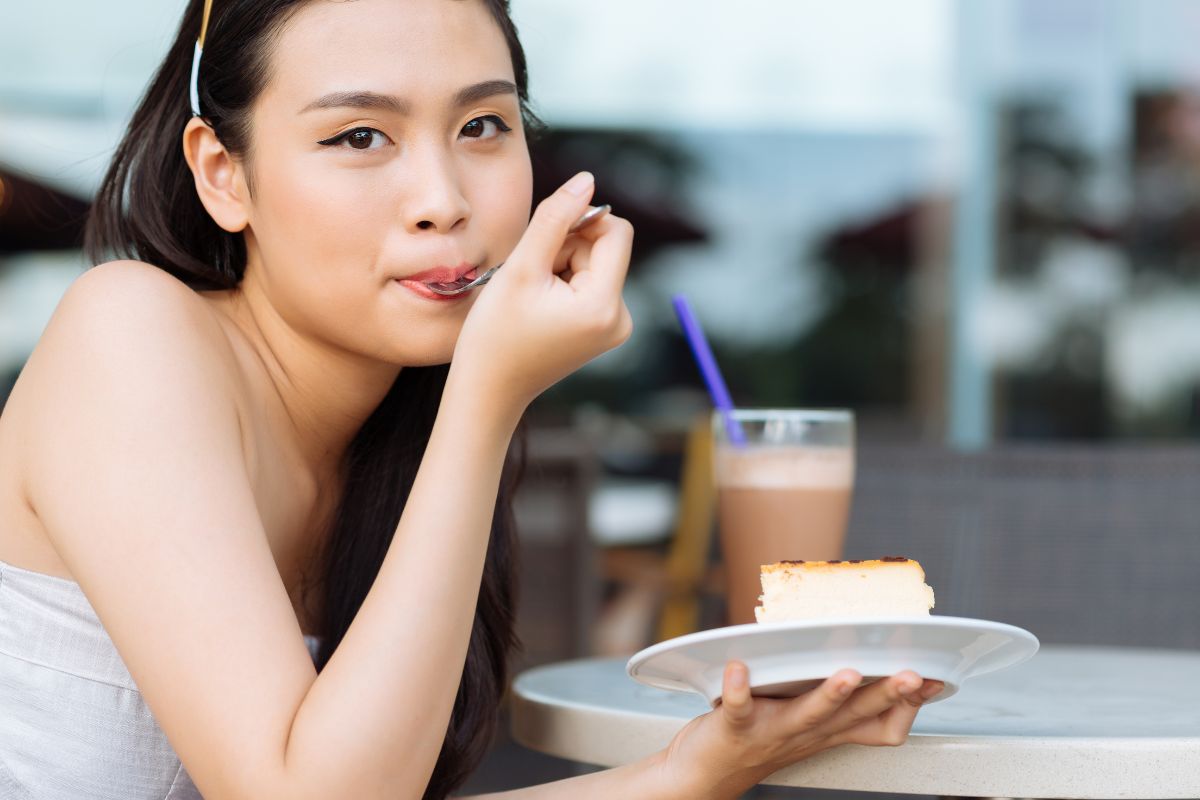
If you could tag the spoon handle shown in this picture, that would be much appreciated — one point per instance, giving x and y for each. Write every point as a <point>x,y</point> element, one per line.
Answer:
<point>589,216</point>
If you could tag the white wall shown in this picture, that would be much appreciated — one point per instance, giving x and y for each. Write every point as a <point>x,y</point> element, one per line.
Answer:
<point>776,64</point>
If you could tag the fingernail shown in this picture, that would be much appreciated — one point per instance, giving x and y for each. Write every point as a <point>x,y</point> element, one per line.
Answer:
<point>580,183</point>
<point>737,677</point>
<point>908,687</point>
<point>845,689</point>
<point>930,690</point>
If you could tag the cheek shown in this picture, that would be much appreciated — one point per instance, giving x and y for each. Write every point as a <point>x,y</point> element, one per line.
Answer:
<point>506,205</point>
<point>317,246</point>
<point>322,214</point>
<point>317,226</point>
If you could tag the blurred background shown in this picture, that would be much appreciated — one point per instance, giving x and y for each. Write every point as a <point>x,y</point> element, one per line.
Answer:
<point>976,223</point>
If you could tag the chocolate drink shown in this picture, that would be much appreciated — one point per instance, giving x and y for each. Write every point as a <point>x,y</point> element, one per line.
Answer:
<point>778,504</point>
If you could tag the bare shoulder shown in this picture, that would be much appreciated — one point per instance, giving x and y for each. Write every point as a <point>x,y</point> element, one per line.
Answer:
<point>135,296</point>
<point>127,275</point>
<point>140,320</point>
<point>124,335</point>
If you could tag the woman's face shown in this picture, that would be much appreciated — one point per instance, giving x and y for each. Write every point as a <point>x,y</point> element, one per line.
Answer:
<point>387,143</point>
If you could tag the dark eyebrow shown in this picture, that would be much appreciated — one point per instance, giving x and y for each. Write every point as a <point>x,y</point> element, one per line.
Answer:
<point>396,105</point>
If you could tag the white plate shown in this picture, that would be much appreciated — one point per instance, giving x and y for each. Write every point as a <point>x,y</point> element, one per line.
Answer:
<point>789,658</point>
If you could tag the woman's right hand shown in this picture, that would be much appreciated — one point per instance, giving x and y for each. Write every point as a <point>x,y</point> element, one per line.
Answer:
<point>555,305</point>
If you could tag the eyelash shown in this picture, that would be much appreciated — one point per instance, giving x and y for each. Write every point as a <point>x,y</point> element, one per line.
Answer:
<point>343,137</point>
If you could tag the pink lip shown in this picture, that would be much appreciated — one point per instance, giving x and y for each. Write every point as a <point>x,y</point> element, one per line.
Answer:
<point>421,290</point>
<point>441,274</point>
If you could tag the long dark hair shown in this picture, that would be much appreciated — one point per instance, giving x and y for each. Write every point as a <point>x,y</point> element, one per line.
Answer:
<point>147,208</point>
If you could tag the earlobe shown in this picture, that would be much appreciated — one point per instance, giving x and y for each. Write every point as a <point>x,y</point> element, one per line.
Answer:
<point>219,179</point>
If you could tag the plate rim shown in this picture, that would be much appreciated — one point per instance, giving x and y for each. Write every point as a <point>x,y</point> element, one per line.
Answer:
<point>729,631</point>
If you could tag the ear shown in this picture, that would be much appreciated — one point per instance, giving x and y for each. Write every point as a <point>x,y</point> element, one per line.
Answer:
<point>220,180</point>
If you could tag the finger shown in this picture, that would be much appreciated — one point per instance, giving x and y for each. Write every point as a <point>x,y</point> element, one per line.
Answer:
<point>570,255</point>
<point>890,729</point>
<point>871,701</point>
<point>897,721</point>
<point>577,266</point>
<point>810,709</point>
<point>737,705</point>
<point>551,220</point>
<point>578,240</point>
<point>611,250</point>
<point>571,261</point>
<point>930,690</point>
<point>584,239</point>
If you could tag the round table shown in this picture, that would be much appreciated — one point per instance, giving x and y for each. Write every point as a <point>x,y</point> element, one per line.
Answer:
<point>1077,722</point>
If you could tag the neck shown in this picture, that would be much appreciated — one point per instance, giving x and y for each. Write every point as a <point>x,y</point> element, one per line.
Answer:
<point>323,393</point>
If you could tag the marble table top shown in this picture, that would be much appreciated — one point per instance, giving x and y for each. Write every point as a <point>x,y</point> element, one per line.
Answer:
<point>1078,722</point>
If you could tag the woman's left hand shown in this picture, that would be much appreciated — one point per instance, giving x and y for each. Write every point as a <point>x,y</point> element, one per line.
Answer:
<point>744,739</point>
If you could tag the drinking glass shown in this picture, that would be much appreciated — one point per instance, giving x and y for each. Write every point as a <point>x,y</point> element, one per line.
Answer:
<point>782,495</point>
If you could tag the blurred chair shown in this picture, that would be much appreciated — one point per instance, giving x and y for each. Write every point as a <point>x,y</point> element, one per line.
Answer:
<point>658,591</point>
<point>1080,544</point>
<point>688,573</point>
<point>558,593</point>
<point>579,534</point>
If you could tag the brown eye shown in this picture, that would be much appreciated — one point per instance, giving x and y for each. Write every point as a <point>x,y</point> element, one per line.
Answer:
<point>476,128</point>
<point>360,139</point>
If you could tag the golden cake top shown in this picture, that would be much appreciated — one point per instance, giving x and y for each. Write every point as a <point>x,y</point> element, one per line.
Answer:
<point>829,566</point>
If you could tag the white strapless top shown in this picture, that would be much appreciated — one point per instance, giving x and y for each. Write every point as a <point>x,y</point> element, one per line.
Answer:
<point>73,724</point>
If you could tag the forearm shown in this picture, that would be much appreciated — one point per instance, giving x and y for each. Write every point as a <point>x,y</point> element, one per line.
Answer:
<point>373,722</point>
<point>644,779</point>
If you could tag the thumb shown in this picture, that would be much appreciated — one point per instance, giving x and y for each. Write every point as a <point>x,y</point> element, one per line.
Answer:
<point>736,703</point>
<point>550,224</point>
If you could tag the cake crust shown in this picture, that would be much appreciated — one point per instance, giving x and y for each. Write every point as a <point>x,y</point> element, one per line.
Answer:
<point>874,563</point>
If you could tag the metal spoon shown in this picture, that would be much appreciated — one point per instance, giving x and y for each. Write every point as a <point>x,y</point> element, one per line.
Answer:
<point>456,288</point>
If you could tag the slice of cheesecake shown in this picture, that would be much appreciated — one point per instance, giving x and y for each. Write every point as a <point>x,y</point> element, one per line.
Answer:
<point>799,590</point>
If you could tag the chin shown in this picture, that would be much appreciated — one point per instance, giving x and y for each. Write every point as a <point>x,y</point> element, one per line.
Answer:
<point>415,343</point>
<point>405,357</point>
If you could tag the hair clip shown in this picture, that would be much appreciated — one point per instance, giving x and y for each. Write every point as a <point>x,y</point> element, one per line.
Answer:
<point>194,83</point>
<point>193,89</point>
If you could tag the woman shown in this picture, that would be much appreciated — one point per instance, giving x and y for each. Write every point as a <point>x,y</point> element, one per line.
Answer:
<point>245,437</point>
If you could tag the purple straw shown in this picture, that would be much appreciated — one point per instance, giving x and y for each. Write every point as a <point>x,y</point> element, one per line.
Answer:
<point>708,368</point>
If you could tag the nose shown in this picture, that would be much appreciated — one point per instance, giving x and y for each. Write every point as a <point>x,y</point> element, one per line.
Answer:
<point>435,201</point>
